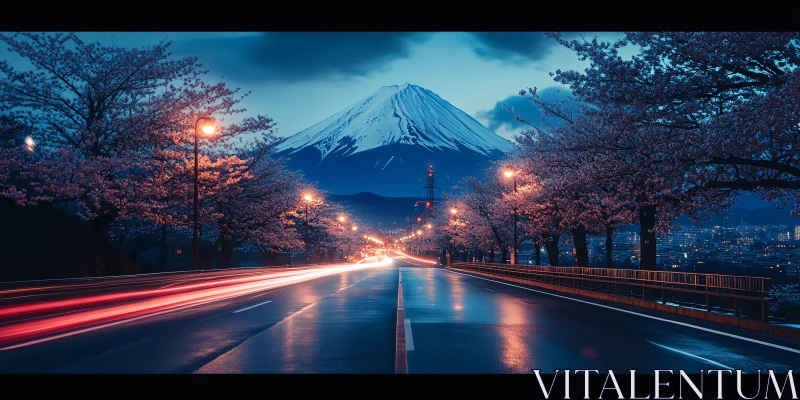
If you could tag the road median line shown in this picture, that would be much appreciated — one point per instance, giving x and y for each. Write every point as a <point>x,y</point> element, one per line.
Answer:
<point>400,360</point>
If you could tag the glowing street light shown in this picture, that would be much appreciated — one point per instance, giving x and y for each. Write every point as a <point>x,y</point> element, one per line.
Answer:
<point>453,211</point>
<point>341,218</point>
<point>29,143</point>
<point>419,232</point>
<point>208,127</point>
<point>509,172</point>
<point>355,228</point>
<point>429,226</point>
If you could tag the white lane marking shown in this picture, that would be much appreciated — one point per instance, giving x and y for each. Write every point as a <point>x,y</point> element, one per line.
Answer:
<point>692,355</point>
<point>777,346</point>
<point>489,290</point>
<point>254,306</point>
<point>409,338</point>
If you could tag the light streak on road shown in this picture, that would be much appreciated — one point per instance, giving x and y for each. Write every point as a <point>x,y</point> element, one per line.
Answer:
<point>432,262</point>
<point>156,301</point>
<point>88,301</point>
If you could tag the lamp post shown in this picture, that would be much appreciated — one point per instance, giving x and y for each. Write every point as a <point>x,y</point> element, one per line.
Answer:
<point>208,128</point>
<point>450,246</point>
<point>308,199</point>
<point>510,173</point>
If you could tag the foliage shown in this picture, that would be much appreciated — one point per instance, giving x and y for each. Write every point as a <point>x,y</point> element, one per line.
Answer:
<point>114,134</point>
<point>723,104</point>
<point>785,301</point>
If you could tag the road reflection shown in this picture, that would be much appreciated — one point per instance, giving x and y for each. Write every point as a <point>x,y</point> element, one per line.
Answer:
<point>456,290</point>
<point>512,329</point>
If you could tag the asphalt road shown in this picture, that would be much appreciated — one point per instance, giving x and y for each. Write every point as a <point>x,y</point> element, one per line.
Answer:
<point>345,322</point>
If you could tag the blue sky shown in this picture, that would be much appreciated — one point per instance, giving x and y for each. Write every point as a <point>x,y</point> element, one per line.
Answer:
<point>300,78</point>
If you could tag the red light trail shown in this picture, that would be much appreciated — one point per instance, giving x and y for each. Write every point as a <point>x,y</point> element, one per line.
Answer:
<point>150,302</point>
<point>433,262</point>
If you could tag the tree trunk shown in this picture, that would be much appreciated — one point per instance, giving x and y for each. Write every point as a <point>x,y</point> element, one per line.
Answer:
<point>226,254</point>
<point>609,245</point>
<point>503,255</point>
<point>537,250</point>
<point>581,246</point>
<point>551,244</point>
<point>647,233</point>
<point>101,226</point>
<point>123,238</point>
<point>491,256</point>
<point>162,256</point>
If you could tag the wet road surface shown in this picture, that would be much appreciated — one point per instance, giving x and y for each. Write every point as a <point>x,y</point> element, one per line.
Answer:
<point>346,323</point>
<point>466,324</point>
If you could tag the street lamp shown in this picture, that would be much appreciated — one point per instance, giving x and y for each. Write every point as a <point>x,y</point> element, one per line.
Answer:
<point>208,126</point>
<point>453,211</point>
<point>355,228</point>
<point>341,218</point>
<point>308,198</point>
<point>510,173</point>
<point>29,143</point>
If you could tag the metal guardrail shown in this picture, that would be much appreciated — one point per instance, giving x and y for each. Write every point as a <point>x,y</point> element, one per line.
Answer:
<point>740,295</point>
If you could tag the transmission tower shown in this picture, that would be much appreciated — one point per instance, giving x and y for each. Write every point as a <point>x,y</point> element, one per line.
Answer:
<point>430,187</point>
<point>427,211</point>
<point>429,202</point>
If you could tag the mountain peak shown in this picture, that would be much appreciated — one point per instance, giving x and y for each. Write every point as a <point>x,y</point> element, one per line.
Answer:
<point>398,114</point>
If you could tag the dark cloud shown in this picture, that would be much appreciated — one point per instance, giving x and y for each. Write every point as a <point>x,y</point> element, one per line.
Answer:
<point>299,56</point>
<point>512,46</point>
<point>499,116</point>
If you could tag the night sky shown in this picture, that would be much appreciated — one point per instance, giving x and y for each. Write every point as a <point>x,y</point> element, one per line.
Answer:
<point>300,78</point>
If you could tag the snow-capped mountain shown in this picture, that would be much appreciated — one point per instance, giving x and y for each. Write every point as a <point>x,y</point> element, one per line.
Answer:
<point>386,141</point>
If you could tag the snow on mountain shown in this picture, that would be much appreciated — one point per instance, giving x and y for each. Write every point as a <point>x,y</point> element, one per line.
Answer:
<point>397,114</point>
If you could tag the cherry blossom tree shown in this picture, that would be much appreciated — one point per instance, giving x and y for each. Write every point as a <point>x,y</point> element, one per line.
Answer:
<point>730,97</point>
<point>110,121</point>
<point>250,199</point>
<point>482,209</point>
<point>645,161</point>
<point>572,182</point>
<point>17,152</point>
<point>452,232</point>
<point>327,234</point>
